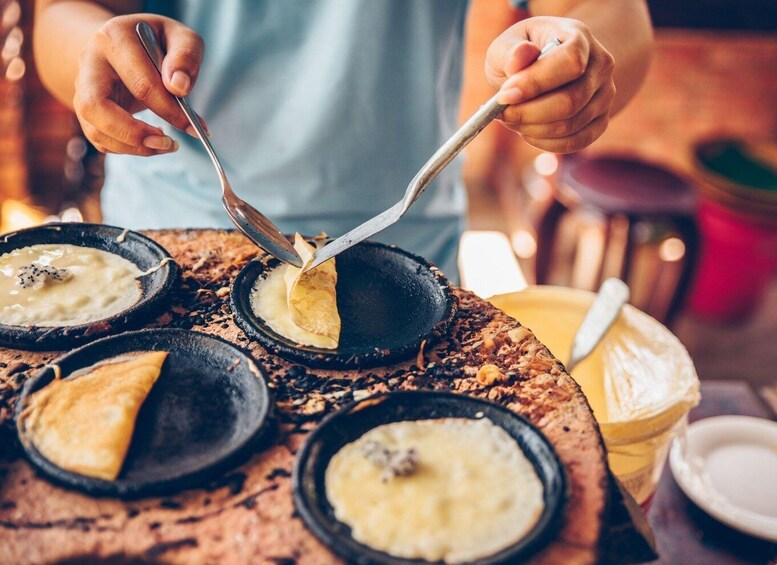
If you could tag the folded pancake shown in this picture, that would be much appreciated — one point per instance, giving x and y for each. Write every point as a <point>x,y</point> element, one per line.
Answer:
<point>312,295</point>
<point>84,423</point>
<point>300,306</point>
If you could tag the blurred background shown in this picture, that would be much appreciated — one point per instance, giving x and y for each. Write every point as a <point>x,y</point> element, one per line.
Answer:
<point>678,198</point>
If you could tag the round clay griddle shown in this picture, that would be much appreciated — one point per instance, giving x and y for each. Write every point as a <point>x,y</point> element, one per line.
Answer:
<point>353,421</point>
<point>208,409</point>
<point>137,248</point>
<point>390,302</point>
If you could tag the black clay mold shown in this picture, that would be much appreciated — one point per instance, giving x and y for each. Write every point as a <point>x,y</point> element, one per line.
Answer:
<point>137,248</point>
<point>207,412</point>
<point>390,301</point>
<point>355,420</point>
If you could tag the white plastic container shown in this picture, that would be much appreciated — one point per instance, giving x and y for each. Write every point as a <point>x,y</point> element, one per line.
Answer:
<point>640,380</point>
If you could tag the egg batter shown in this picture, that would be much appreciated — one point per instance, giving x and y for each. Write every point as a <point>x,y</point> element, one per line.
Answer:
<point>65,285</point>
<point>450,489</point>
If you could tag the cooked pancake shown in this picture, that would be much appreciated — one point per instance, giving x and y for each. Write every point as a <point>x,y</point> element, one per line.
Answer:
<point>301,306</point>
<point>84,423</point>
<point>64,285</point>
<point>449,490</point>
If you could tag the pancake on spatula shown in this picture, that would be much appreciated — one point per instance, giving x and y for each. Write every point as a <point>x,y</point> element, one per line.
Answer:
<point>84,423</point>
<point>312,296</point>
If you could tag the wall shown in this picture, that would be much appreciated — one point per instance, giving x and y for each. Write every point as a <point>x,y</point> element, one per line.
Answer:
<point>700,83</point>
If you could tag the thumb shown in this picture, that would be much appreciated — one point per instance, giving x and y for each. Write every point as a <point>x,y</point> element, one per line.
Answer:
<point>520,56</point>
<point>508,54</point>
<point>181,64</point>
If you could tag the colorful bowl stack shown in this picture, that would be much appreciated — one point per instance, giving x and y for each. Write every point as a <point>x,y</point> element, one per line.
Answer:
<point>738,221</point>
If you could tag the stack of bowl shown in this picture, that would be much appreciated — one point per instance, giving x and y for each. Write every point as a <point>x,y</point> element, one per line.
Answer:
<point>738,220</point>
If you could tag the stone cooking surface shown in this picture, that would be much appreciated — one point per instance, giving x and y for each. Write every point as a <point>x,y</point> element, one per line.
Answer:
<point>248,515</point>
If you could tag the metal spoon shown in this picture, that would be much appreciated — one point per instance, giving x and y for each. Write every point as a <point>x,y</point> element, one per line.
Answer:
<point>600,317</point>
<point>254,225</point>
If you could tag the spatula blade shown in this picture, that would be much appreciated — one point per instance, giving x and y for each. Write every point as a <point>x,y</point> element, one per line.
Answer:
<point>358,234</point>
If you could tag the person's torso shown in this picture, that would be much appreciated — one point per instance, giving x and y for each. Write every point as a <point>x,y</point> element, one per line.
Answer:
<point>320,110</point>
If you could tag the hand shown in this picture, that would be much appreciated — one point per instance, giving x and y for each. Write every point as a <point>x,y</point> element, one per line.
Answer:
<point>561,103</point>
<point>116,79</point>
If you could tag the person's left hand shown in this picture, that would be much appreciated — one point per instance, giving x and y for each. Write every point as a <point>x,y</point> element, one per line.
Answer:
<point>561,103</point>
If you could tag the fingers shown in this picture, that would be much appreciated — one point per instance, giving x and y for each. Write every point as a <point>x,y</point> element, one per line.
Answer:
<point>574,142</point>
<point>562,112</point>
<point>520,56</point>
<point>107,144</point>
<point>126,56</point>
<point>108,126</point>
<point>151,145</point>
<point>116,78</point>
<point>599,105</point>
<point>507,55</point>
<point>561,102</point>
<point>564,64</point>
<point>181,64</point>
<point>94,107</point>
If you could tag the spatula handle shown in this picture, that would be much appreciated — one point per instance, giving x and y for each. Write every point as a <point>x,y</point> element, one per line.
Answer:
<point>459,140</point>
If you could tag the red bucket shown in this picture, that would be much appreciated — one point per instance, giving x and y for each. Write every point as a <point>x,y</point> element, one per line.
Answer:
<point>738,260</point>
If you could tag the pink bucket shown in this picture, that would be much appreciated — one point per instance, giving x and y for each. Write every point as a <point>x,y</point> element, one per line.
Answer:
<point>738,260</point>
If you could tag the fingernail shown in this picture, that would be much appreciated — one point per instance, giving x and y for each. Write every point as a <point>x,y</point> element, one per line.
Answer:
<point>181,82</point>
<point>160,142</point>
<point>510,96</point>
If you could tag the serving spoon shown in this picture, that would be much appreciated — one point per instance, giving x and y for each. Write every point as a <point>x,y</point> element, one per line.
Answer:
<point>254,225</point>
<point>604,310</point>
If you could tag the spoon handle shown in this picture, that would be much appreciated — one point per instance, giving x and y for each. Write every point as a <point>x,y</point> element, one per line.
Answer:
<point>154,50</point>
<point>598,320</point>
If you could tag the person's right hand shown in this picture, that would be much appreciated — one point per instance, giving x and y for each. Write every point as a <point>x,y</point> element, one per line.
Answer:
<point>117,79</point>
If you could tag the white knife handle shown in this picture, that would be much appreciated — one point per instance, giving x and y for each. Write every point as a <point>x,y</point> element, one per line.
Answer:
<point>600,317</point>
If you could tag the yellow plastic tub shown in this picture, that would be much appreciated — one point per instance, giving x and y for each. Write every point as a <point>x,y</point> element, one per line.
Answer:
<point>640,380</point>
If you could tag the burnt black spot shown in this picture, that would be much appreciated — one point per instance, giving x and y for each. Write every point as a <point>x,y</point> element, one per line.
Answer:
<point>17,367</point>
<point>278,472</point>
<point>295,371</point>
<point>160,548</point>
<point>234,482</point>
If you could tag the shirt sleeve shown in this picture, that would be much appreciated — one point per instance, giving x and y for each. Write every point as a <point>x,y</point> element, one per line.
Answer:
<point>520,4</point>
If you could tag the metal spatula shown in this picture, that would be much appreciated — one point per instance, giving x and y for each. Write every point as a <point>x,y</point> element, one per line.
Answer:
<point>254,225</point>
<point>444,155</point>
